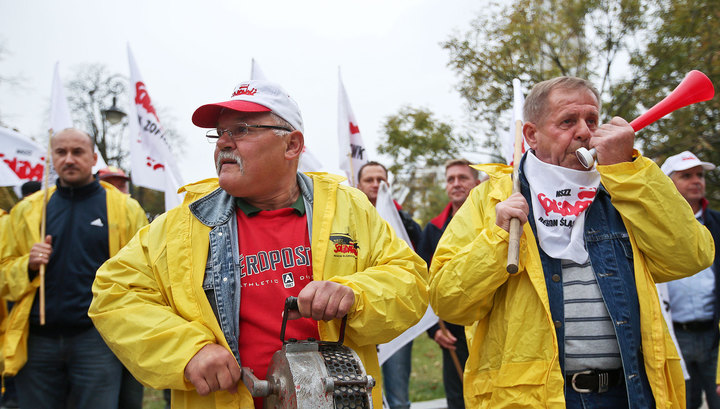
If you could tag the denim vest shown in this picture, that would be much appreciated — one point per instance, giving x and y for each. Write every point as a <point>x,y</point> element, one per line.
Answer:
<point>222,270</point>
<point>611,257</point>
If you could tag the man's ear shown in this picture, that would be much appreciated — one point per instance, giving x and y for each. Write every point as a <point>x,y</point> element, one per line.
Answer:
<point>530,134</point>
<point>294,145</point>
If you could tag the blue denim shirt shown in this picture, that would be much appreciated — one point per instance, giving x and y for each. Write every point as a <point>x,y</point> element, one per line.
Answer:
<point>611,257</point>
<point>222,271</point>
<point>693,298</point>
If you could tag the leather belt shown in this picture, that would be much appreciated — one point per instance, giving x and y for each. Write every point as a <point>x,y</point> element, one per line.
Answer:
<point>595,380</point>
<point>694,326</point>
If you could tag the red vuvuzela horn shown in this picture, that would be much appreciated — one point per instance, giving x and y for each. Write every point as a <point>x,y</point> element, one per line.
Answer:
<point>695,87</point>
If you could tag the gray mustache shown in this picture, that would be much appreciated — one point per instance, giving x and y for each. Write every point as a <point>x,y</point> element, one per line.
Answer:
<point>223,155</point>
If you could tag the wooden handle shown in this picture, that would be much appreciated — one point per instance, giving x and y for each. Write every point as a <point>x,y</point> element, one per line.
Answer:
<point>42,294</point>
<point>515,227</point>
<point>43,224</point>
<point>514,246</point>
<point>453,354</point>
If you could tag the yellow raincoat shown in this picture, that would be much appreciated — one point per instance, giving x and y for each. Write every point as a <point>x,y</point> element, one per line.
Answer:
<point>511,337</point>
<point>3,304</point>
<point>150,306</point>
<point>21,231</point>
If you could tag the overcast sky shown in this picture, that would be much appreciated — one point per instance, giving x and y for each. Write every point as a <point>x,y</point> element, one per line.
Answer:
<point>191,53</point>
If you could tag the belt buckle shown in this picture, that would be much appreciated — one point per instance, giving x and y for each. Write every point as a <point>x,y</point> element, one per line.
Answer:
<point>581,390</point>
<point>603,378</point>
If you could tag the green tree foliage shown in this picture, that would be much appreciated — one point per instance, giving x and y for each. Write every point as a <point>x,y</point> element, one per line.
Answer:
<point>683,38</point>
<point>635,51</point>
<point>535,40</point>
<point>532,40</point>
<point>418,145</point>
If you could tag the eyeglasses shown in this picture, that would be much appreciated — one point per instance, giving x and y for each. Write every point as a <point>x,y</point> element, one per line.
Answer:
<point>240,130</point>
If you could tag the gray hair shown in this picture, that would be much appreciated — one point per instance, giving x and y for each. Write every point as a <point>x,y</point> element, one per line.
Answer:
<point>535,106</point>
<point>281,122</point>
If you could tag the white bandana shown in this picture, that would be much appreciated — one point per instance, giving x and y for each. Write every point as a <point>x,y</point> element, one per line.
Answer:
<point>560,197</point>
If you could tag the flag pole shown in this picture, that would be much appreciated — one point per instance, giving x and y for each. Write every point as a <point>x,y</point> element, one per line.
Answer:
<point>43,225</point>
<point>453,354</point>
<point>352,170</point>
<point>515,227</point>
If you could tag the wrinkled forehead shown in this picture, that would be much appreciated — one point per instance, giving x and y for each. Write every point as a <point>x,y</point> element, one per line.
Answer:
<point>560,98</point>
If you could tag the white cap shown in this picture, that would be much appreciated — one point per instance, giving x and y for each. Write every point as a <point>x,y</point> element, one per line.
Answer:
<point>253,96</point>
<point>684,161</point>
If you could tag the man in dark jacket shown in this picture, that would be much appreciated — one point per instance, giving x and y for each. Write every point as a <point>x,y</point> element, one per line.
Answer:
<point>56,353</point>
<point>396,370</point>
<point>460,178</point>
<point>695,300</point>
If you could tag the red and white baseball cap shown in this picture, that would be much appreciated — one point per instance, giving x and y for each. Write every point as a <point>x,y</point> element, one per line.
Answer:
<point>684,161</point>
<point>253,96</point>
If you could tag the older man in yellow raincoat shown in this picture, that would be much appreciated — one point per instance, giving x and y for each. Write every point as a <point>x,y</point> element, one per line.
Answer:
<point>200,292</point>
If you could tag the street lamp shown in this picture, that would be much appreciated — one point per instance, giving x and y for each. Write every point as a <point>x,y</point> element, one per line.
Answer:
<point>113,114</point>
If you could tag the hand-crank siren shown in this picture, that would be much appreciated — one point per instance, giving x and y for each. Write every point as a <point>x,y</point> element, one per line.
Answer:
<point>312,374</point>
<point>695,87</point>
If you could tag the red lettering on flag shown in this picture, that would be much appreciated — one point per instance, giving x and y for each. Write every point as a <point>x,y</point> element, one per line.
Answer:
<point>354,129</point>
<point>143,98</point>
<point>24,169</point>
<point>153,164</point>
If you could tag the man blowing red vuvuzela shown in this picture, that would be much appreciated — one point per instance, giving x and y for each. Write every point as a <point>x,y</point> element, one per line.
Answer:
<point>200,292</point>
<point>579,325</point>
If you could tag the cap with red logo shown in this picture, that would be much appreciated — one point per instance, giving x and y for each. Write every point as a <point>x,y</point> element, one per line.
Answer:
<point>253,96</point>
<point>111,172</point>
<point>684,161</point>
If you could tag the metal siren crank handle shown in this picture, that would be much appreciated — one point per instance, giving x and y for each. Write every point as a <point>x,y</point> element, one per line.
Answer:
<point>257,387</point>
<point>586,157</point>
<point>291,304</point>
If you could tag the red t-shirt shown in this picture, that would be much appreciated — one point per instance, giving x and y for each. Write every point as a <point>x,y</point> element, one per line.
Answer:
<point>275,263</point>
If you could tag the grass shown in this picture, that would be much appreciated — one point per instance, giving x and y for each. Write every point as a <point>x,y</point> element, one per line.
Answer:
<point>425,378</point>
<point>153,399</point>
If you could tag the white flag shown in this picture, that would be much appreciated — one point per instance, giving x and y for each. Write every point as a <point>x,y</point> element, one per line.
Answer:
<point>387,210</point>
<point>508,144</point>
<point>350,143</point>
<point>21,159</point>
<point>59,111</point>
<point>255,72</point>
<point>308,161</point>
<point>60,119</point>
<point>151,162</point>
